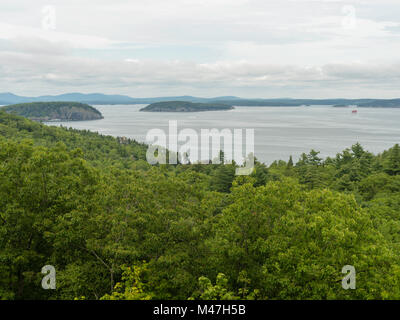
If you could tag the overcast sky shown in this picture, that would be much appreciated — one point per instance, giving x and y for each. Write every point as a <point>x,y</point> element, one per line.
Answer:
<point>248,48</point>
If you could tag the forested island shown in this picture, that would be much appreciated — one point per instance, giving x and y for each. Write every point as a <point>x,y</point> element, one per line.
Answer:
<point>184,106</point>
<point>54,111</point>
<point>115,227</point>
<point>104,99</point>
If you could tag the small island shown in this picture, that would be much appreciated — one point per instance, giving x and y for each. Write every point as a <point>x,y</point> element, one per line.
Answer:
<point>183,106</point>
<point>54,111</point>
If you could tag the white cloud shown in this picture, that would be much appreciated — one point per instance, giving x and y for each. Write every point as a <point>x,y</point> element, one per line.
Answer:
<point>203,47</point>
<point>12,32</point>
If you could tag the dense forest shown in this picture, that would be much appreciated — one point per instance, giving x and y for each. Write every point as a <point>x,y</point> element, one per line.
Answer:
<point>115,227</point>
<point>183,106</point>
<point>55,111</point>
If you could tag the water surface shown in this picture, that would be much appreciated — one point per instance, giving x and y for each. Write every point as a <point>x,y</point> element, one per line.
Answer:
<point>279,131</point>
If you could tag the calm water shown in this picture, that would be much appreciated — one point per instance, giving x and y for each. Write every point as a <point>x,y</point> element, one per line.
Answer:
<point>279,131</point>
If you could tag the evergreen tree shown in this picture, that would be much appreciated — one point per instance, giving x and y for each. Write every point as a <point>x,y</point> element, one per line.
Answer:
<point>290,163</point>
<point>392,163</point>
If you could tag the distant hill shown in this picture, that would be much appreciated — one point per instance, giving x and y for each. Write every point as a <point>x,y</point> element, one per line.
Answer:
<point>104,99</point>
<point>393,103</point>
<point>54,111</point>
<point>182,106</point>
<point>99,98</point>
<point>92,98</point>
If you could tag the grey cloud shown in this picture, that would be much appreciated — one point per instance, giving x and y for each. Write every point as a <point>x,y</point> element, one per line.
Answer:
<point>73,72</point>
<point>36,46</point>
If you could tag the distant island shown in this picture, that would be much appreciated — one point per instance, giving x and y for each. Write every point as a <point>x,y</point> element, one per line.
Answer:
<point>54,111</point>
<point>8,98</point>
<point>183,106</point>
<point>393,103</point>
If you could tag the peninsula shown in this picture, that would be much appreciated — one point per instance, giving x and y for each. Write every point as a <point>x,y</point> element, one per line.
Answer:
<point>54,111</point>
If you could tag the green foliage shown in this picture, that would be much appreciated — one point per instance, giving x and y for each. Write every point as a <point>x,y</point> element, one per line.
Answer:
<point>90,205</point>
<point>131,287</point>
<point>100,150</point>
<point>222,178</point>
<point>392,162</point>
<point>219,291</point>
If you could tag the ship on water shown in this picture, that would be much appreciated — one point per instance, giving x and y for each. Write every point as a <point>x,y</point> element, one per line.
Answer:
<point>354,109</point>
